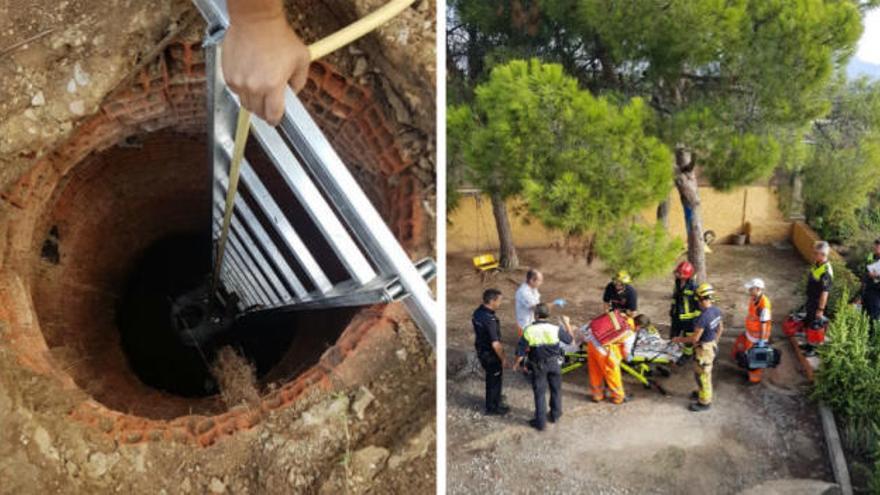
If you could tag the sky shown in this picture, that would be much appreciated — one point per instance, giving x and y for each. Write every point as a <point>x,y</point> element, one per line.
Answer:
<point>867,58</point>
<point>869,45</point>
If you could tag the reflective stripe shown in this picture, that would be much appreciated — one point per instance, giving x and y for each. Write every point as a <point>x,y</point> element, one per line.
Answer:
<point>759,312</point>
<point>538,334</point>
<point>596,344</point>
<point>688,314</point>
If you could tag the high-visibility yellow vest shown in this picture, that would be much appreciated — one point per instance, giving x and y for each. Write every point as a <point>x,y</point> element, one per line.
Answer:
<point>541,333</point>
<point>817,271</point>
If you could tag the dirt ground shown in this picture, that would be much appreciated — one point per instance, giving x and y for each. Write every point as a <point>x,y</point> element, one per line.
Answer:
<point>755,439</point>
<point>377,437</point>
<point>58,61</point>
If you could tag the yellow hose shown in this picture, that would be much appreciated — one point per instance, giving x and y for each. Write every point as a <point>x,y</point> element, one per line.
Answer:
<point>317,50</point>
<point>358,28</point>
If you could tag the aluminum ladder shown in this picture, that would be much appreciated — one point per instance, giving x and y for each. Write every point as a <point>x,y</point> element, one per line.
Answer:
<point>340,253</point>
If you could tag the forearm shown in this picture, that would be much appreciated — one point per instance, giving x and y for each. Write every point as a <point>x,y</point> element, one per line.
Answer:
<point>250,10</point>
<point>499,351</point>
<point>823,300</point>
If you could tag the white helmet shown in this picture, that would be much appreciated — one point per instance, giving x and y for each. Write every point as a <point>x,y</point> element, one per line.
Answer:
<point>755,282</point>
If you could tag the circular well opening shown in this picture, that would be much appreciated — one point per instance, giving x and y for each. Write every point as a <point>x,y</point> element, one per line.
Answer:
<point>127,235</point>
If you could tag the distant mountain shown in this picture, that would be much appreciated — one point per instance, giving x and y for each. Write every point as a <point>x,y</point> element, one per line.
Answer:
<point>857,68</point>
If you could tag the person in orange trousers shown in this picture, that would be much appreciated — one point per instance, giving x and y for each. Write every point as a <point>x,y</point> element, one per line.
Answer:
<point>758,324</point>
<point>603,363</point>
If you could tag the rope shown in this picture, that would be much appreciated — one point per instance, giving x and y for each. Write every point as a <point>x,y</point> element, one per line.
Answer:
<point>317,50</point>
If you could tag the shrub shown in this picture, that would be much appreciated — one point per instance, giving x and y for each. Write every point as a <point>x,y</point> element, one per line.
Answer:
<point>849,382</point>
<point>642,250</point>
<point>849,378</point>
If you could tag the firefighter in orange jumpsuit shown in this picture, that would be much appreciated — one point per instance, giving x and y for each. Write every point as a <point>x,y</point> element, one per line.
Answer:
<point>604,366</point>
<point>758,324</point>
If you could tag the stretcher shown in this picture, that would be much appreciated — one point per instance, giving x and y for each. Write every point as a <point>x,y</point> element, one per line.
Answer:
<point>650,355</point>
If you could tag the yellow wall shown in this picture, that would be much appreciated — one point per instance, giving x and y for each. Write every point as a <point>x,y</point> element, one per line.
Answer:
<point>803,237</point>
<point>471,227</point>
<point>722,213</point>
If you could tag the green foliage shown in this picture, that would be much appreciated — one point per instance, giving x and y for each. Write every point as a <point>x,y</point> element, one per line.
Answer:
<point>644,251</point>
<point>727,79</point>
<point>849,378</point>
<point>581,163</point>
<point>745,158</point>
<point>849,382</point>
<point>846,285</point>
<point>842,171</point>
<point>593,162</point>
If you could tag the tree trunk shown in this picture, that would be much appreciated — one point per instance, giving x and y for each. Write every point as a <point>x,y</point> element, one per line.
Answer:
<point>507,258</point>
<point>686,183</point>
<point>796,210</point>
<point>663,213</point>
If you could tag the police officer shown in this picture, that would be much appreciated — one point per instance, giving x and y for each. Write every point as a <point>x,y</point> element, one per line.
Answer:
<point>819,283</point>
<point>871,284</point>
<point>620,295</point>
<point>487,340</point>
<point>541,340</point>
<point>685,308</point>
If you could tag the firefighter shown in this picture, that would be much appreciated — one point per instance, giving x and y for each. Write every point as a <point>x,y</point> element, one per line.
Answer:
<point>758,324</point>
<point>708,328</point>
<point>819,282</point>
<point>487,341</point>
<point>541,341</point>
<point>620,295</point>
<point>684,307</point>
<point>604,366</point>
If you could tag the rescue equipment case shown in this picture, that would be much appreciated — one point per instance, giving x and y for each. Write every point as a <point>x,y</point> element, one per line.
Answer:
<point>609,327</point>
<point>759,356</point>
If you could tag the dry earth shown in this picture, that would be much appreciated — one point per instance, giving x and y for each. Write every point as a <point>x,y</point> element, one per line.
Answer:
<point>58,62</point>
<point>761,439</point>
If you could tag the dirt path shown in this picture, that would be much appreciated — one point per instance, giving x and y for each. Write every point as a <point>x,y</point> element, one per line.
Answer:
<point>765,438</point>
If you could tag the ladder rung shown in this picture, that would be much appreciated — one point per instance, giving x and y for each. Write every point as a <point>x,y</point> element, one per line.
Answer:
<point>272,211</point>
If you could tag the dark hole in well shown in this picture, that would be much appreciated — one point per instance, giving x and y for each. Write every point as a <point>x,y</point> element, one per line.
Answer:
<point>283,342</point>
<point>49,251</point>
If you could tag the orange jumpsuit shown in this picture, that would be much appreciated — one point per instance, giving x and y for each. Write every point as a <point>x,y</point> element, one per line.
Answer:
<point>604,367</point>
<point>758,327</point>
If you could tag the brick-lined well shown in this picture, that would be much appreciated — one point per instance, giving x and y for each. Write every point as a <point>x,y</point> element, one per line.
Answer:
<point>134,173</point>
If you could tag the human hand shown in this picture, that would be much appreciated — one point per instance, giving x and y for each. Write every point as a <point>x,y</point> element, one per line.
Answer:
<point>819,313</point>
<point>261,55</point>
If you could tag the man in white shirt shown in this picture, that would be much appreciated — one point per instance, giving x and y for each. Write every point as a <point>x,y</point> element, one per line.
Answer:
<point>527,297</point>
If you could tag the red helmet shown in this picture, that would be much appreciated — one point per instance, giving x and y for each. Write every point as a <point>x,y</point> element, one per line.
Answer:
<point>685,269</point>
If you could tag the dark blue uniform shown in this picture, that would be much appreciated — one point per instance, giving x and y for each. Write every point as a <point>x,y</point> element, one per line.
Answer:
<point>487,329</point>
<point>819,280</point>
<point>626,300</point>
<point>541,339</point>
<point>871,291</point>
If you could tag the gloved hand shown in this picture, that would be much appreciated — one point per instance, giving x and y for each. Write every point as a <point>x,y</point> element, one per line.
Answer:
<point>261,55</point>
<point>560,302</point>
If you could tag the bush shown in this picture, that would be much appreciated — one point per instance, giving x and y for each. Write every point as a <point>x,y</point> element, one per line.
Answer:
<point>642,250</point>
<point>849,378</point>
<point>849,382</point>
